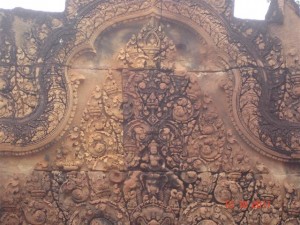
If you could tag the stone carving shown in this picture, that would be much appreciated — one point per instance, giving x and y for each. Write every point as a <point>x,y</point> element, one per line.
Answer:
<point>21,87</point>
<point>150,146</point>
<point>97,143</point>
<point>149,49</point>
<point>271,125</point>
<point>35,97</point>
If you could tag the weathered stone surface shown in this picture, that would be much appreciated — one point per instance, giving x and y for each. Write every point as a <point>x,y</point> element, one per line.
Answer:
<point>149,112</point>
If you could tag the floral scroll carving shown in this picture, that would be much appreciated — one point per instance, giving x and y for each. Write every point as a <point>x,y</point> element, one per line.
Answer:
<point>149,144</point>
<point>36,97</point>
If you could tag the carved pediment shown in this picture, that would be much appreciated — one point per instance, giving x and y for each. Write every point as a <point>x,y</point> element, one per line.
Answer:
<point>126,100</point>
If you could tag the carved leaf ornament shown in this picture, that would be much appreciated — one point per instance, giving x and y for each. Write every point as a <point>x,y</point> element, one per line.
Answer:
<point>149,145</point>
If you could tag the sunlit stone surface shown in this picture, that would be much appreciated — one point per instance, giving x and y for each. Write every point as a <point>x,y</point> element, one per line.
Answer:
<point>149,113</point>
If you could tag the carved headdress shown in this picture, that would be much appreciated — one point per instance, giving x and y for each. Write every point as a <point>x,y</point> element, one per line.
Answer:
<point>148,49</point>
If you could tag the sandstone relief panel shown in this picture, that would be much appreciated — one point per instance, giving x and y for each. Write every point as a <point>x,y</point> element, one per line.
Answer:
<point>147,112</point>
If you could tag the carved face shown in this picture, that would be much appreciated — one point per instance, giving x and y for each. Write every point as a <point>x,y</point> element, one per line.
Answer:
<point>152,186</point>
<point>153,149</point>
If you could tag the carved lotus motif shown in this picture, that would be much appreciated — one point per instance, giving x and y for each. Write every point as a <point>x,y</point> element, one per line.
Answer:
<point>182,109</point>
<point>208,148</point>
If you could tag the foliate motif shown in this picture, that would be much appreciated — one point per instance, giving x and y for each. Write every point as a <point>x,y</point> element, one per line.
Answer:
<point>16,105</point>
<point>169,118</point>
<point>18,88</point>
<point>175,163</point>
<point>287,104</point>
<point>151,147</point>
<point>27,58</point>
<point>98,142</point>
<point>25,101</point>
<point>269,115</point>
<point>35,96</point>
<point>99,13</point>
<point>141,198</point>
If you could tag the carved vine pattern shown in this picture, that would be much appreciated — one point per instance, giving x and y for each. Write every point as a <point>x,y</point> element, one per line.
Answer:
<point>178,164</point>
<point>166,157</point>
<point>21,95</point>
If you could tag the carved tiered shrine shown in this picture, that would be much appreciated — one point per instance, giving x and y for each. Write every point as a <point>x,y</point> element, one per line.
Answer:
<point>148,112</point>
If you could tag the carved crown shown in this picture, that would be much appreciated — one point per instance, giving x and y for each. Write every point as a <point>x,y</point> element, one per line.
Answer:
<point>148,48</point>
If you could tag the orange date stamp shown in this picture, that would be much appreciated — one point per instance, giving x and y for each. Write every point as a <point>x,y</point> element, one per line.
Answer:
<point>257,204</point>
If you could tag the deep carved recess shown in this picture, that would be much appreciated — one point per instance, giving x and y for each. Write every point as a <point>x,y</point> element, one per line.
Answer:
<point>36,95</point>
<point>150,146</point>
